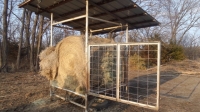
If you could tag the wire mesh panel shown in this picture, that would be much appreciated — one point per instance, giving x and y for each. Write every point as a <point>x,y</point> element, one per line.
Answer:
<point>139,66</point>
<point>127,73</point>
<point>103,70</point>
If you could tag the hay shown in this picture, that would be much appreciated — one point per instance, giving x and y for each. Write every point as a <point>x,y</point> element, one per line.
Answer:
<point>48,63</point>
<point>97,40</point>
<point>65,63</point>
<point>71,63</point>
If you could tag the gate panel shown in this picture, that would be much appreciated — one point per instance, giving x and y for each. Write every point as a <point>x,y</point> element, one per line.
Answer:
<point>139,71</point>
<point>127,73</point>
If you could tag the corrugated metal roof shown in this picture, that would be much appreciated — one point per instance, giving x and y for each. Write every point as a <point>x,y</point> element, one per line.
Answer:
<point>120,11</point>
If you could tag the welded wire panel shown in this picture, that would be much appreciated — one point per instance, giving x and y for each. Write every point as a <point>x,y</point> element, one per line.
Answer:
<point>138,66</point>
<point>127,73</point>
<point>103,70</point>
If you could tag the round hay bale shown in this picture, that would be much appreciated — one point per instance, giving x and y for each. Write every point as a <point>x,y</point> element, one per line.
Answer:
<point>48,63</point>
<point>71,63</point>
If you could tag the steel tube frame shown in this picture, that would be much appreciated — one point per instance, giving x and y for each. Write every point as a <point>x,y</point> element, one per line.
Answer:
<point>71,19</point>
<point>63,98</point>
<point>94,18</point>
<point>51,44</point>
<point>81,95</point>
<point>108,28</point>
<point>127,33</point>
<point>51,41</point>
<point>118,71</point>
<point>87,49</point>
<point>158,76</point>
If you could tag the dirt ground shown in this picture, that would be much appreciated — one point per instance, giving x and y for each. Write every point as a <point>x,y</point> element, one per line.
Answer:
<point>29,92</point>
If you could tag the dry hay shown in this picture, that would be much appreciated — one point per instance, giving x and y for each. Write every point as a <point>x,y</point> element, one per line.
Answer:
<point>71,63</point>
<point>48,63</point>
<point>65,63</point>
<point>104,72</point>
<point>97,40</point>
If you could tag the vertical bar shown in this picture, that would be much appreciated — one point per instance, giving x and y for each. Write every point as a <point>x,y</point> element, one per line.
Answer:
<point>50,90</point>
<point>118,71</point>
<point>51,44</point>
<point>86,51</point>
<point>51,41</point>
<point>126,33</point>
<point>90,34</point>
<point>158,75</point>
<point>126,60</point>
<point>88,65</point>
<point>86,102</point>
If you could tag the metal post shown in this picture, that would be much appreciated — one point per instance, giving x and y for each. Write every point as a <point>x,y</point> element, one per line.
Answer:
<point>51,44</point>
<point>158,75</point>
<point>126,60</point>
<point>118,72</point>
<point>86,51</point>
<point>90,36</point>
<point>51,41</point>
<point>126,33</point>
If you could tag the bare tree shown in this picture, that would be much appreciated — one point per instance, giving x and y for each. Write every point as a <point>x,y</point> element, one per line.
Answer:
<point>39,40</point>
<point>32,44</point>
<point>5,29</point>
<point>20,40</point>
<point>27,27</point>
<point>180,16</point>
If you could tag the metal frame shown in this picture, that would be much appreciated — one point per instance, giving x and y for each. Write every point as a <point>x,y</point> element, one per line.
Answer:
<point>118,85</point>
<point>87,49</point>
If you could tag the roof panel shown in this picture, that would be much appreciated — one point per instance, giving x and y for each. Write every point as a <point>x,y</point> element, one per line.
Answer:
<point>121,11</point>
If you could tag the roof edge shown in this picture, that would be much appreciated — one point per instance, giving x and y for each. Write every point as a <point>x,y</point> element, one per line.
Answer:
<point>24,3</point>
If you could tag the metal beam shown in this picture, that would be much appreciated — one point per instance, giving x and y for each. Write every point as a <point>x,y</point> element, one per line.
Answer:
<point>54,6</point>
<point>39,8</point>
<point>114,20</point>
<point>25,3</point>
<point>71,19</point>
<point>83,9</point>
<point>98,19</point>
<point>133,27</point>
<point>118,10</point>
<point>114,11</point>
<point>108,28</point>
<point>115,16</point>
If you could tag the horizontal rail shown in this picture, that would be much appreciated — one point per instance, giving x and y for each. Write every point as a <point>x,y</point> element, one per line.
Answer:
<point>70,101</point>
<point>93,45</point>
<point>59,97</point>
<point>130,43</point>
<point>68,28</point>
<point>140,43</point>
<point>77,104</point>
<point>101,91</point>
<point>102,96</point>
<point>104,20</point>
<point>139,104</point>
<point>71,19</point>
<point>69,91</point>
<point>108,28</point>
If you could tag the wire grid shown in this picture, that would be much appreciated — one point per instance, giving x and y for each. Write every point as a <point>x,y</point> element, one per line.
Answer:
<point>103,70</point>
<point>138,66</point>
<point>137,72</point>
